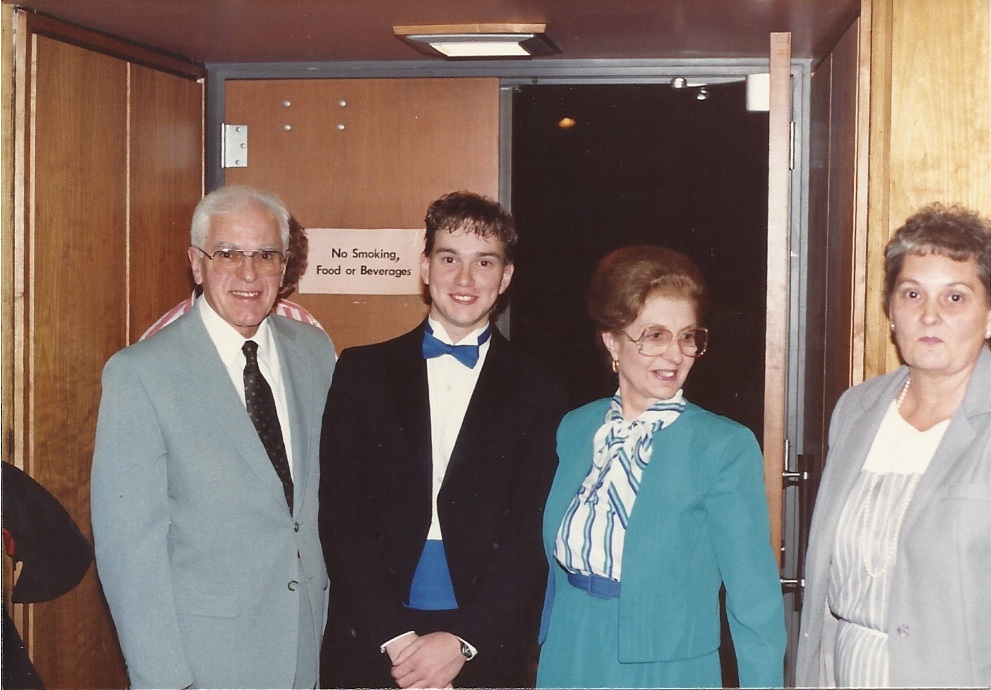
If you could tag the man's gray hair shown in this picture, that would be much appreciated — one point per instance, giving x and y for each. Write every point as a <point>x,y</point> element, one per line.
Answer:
<point>236,198</point>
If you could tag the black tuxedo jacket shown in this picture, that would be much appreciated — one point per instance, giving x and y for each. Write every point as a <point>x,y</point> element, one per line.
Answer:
<point>375,500</point>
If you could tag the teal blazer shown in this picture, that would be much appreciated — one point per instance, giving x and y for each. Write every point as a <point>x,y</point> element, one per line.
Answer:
<point>700,519</point>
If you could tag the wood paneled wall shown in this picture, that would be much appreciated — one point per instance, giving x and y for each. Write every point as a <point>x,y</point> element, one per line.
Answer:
<point>930,120</point>
<point>366,153</point>
<point>165,171</point>
<point>75,319</point>
<point>108,170</point>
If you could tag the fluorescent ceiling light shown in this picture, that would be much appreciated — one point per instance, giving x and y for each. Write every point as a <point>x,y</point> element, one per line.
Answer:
<point>479,40</point>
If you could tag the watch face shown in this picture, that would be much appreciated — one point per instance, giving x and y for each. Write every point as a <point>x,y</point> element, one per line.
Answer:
<point>466,650</point>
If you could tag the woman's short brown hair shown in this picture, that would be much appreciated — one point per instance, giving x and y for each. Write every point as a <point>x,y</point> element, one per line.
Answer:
<point>627,277</point>
<point>955,232</point>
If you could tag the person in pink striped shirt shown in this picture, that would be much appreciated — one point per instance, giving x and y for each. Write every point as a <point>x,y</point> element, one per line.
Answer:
<point>295,266</point>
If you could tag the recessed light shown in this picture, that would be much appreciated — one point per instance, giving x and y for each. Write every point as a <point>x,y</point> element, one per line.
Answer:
<point>466,41</point>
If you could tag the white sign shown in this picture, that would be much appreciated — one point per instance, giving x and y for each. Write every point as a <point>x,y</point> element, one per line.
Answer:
<point>363,262</point>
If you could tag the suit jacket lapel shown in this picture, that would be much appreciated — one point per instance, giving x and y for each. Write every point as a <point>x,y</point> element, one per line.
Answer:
<point>230,418</point>
<point>854,440</point>
<point>494,385</point>
<point>407,372</point>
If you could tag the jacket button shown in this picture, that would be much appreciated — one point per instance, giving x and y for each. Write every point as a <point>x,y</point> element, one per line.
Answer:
<point>903,630</point>
<point>293,585</point>
<point>295,527</point>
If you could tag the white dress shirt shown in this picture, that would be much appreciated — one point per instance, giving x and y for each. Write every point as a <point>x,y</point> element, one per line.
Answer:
<point>451,385</point>
<point>229,343</point>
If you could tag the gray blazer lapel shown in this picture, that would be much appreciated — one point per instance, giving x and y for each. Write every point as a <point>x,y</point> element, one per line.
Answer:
<point>959,434</point>
<point>299,398</point>
<point>858,425</point>
<point>226,411</point>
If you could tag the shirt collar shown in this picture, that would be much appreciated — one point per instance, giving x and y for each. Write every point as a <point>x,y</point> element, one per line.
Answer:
<point>226,338</point>
<point>470,339</point>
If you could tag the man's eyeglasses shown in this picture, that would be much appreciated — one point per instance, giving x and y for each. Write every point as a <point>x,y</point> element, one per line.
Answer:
<point>266,261</point>
<point>654,341</point>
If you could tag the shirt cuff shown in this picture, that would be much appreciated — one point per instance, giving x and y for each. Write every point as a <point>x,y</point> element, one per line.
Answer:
<point>390,641</point>
<point>382,647</point>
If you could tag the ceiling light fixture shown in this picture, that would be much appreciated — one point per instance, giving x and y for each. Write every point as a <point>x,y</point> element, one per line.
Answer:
<point>465,41</point>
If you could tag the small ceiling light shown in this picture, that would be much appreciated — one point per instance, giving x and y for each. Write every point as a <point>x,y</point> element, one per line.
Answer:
<point>479,40</point>
<point>679,83</point>
<point>702,94</point>
<point>566,122</point>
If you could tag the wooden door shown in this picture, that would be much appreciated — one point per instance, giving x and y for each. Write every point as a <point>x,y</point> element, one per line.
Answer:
<point>364,154</point>
<point>778,263</point>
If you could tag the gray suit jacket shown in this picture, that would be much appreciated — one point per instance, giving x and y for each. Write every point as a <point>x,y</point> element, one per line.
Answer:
<point>195,545</point>
<point>939,617</point>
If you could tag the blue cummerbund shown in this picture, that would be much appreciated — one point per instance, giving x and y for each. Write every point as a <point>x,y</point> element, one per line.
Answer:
<point>432,589</point>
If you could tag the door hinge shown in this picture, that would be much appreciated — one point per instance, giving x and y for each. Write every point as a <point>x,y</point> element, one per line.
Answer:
<point>791,145</point>
<point>234,146</point>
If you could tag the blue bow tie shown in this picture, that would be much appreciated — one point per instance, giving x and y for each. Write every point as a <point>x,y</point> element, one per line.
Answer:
<point>466,354</point>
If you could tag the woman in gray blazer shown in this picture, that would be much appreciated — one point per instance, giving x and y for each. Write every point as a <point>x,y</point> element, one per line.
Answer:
<point>898,584</point>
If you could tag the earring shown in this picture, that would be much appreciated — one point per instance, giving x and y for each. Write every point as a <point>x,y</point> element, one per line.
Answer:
<point>892,326</point>
<point>615,366</point>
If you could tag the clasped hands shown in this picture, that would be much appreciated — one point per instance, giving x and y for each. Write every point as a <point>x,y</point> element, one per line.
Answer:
<point>433,660</point>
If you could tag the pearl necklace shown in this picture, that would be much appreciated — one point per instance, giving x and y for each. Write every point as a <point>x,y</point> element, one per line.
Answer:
<point>901,396</point>
<point>889,555</point>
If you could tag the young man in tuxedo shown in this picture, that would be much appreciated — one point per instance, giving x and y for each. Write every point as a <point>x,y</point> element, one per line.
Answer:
<point>437,453</point>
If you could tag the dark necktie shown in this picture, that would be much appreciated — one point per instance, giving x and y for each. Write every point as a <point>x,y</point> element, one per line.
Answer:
<point>261,408</point>
<point>466,354</point>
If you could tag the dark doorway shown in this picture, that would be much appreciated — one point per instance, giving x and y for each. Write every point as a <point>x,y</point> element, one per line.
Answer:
<point>642,164</point>
<point>596,167</point>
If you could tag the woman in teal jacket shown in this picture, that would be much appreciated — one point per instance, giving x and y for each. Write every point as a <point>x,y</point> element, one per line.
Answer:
<point>656,502</point>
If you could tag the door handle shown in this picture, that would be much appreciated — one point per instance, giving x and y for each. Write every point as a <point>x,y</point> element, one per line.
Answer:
<point>803,478</point>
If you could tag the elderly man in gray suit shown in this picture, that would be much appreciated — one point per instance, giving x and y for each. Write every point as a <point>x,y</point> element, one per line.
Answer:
<point>205,473</point>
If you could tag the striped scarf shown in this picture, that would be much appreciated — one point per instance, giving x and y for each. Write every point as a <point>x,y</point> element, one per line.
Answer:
<point>592,533</point>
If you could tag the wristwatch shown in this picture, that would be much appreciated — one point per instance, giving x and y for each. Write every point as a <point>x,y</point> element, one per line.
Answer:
<point>467,651</point>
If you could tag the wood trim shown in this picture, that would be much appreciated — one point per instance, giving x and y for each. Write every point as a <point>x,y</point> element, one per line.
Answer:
<point>878,213</point>
<point>861,202</point>
<point>20,190</point>
<point>11,111</point>
<point>879,184</point>
<point>112,45</point>
<point>467,28</point>
<point>778,261</point>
